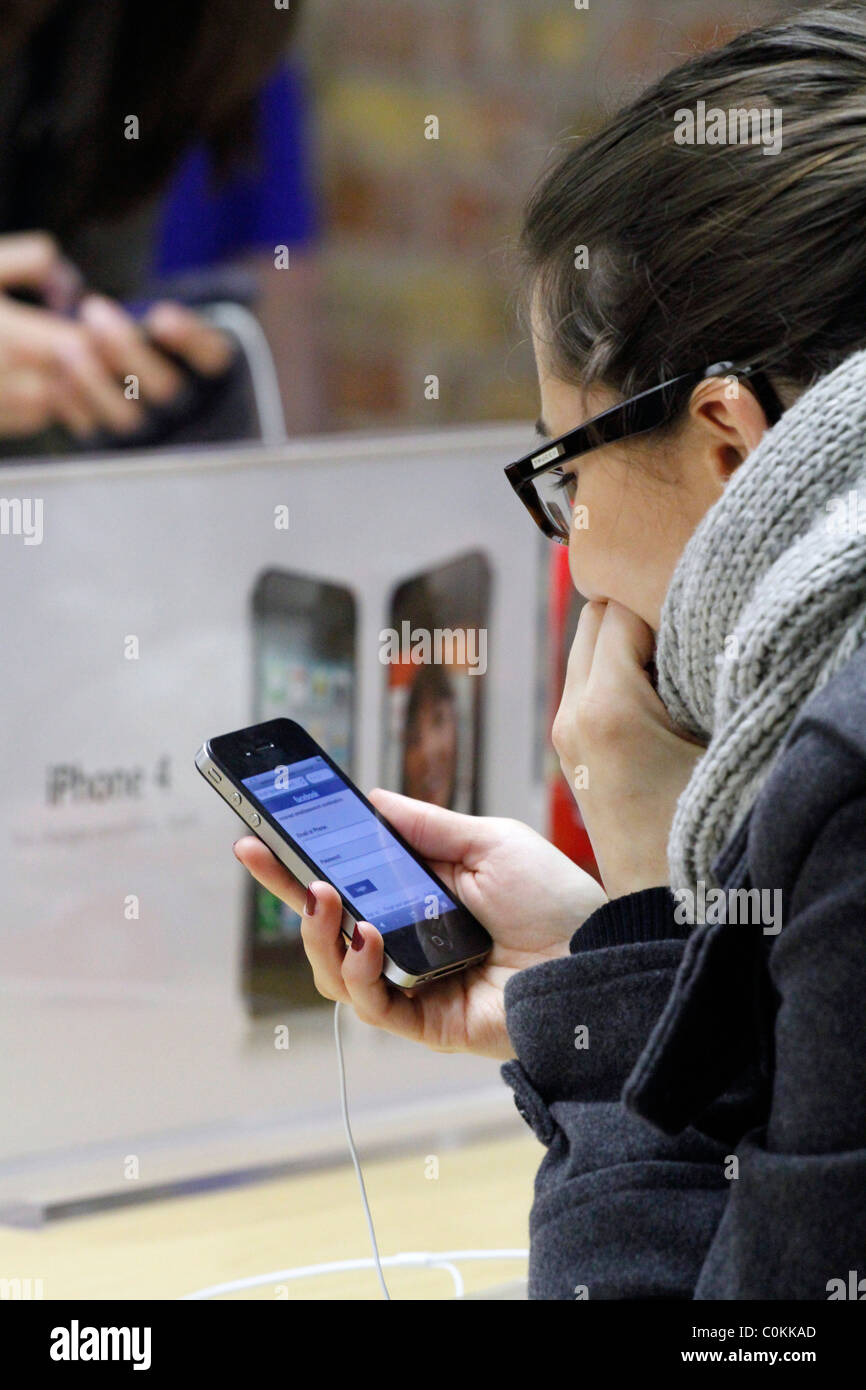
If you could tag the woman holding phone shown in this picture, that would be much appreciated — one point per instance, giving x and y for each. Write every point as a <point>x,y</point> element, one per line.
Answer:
<point>688,1045</point>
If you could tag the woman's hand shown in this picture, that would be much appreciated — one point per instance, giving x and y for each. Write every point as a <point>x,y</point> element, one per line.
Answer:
<point>619,750</point>
<point>188,335</point>
<point>128,349</point>
<point>49,371</point>
<point>528,895</point>
<point>56,369</point>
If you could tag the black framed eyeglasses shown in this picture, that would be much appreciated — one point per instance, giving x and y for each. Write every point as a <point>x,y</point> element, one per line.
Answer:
<point>548,492</point>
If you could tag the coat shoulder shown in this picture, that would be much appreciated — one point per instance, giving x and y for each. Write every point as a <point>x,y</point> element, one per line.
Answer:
<point>820,770</point>
<point>838,709</point>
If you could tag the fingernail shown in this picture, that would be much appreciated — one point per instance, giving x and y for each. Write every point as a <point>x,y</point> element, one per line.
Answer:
<point>165,317</point>
<point>99,312</point>
<point>357,939</point>
<point>310,904</point>
<point>235,848</point>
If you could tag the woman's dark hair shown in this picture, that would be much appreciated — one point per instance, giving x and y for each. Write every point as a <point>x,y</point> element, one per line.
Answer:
<point>699,253</point>
<point>73,71</point>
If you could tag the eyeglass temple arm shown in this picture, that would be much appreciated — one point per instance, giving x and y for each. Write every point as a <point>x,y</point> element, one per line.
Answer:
<point>760,383</point>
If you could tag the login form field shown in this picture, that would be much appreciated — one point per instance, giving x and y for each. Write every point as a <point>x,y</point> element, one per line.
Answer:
<point>350,846</point>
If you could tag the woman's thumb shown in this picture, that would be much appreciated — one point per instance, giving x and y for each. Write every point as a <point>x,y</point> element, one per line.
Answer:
<point>434,831</point>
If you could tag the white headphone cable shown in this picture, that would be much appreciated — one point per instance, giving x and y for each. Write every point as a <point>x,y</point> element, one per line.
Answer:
<point>345,1107</point>
<point>444,1259</point>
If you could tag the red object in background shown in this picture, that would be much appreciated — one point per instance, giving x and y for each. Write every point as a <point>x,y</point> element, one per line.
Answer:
<point>566,830</point>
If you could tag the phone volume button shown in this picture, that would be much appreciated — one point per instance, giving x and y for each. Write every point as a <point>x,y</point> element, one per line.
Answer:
<point>255,818</point>
<point>236,798</point>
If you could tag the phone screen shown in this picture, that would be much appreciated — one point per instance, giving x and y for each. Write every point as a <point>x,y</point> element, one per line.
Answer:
<point>325,817</point>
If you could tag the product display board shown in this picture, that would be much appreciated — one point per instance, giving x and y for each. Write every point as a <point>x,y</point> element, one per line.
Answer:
<point>156,601</point>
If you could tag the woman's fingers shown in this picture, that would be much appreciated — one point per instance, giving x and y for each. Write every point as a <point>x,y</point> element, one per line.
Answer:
<point>445,871</point>
<point>25,402</point>
<point>351,975</point>
<point>623,649</point>
<point>373,999</point>
<point>34,260</point>
<point>96,389</point>
<point>320,928</point>
<point>577,673</point>
<point>267,870</point>
<point>612,645</point>
<point>35,341</point>
<point>580,658</point>
<point>70,409</point>
<point>324,943</point>
<point>199,343</point>
<point>624,641</point>
<point>436,833</point>
<point>126,351</point>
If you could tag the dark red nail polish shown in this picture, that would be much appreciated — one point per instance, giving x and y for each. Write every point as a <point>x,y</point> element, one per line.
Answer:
<point>310,904</point>
<point>357,939</point>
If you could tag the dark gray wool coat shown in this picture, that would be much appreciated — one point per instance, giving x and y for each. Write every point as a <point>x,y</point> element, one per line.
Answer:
<point>701,1090</point>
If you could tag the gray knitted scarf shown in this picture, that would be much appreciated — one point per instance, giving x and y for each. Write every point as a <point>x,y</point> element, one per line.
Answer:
<point>767,602</point>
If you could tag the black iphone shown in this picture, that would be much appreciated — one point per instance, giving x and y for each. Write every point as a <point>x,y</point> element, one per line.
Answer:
<point>290,793</point>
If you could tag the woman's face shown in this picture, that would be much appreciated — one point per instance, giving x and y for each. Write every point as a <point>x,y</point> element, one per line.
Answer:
<point>644,498</point>
<point>430,759</point>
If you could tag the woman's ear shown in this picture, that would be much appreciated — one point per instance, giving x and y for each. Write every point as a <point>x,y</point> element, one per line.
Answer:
<point>732,421</point>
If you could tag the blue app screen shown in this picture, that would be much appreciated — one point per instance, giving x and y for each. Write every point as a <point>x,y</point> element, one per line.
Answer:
<point>350,846</point>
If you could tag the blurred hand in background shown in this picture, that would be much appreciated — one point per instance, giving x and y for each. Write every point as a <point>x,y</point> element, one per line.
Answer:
<point>70,359</point>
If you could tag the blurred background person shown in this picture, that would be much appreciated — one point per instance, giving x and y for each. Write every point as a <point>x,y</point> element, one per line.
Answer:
<point>127,138</point>
<point>430,740</point>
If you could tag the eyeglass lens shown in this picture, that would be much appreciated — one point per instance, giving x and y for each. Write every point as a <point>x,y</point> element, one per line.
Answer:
<point>556,491</point>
